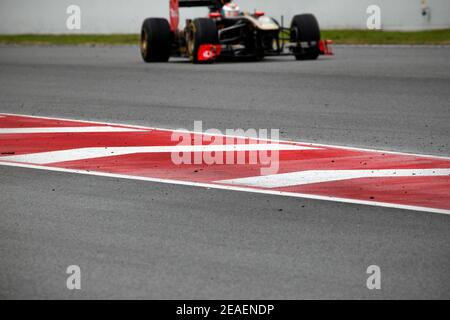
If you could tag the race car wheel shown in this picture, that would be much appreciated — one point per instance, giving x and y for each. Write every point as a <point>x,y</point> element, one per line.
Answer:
<point>203,31</point>
<point>305,29</point>
<point>155,40</point>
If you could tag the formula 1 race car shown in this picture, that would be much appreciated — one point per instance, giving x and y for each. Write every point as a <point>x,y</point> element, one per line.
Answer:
<point>229,33</point>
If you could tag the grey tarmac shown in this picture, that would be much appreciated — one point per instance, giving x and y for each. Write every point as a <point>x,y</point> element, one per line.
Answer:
<point>135,239</point>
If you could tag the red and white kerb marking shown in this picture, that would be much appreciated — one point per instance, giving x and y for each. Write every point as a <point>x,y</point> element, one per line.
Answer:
<point>314,171</point>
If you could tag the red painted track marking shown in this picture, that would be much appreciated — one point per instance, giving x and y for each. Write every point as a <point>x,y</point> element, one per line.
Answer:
<point>425,193</point>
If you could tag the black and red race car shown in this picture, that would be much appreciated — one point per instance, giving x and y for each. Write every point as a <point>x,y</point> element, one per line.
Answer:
<point>222,36</point>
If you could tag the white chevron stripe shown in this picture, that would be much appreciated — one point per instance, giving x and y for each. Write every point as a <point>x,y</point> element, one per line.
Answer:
<point>317,176</point>
<point>90,153</point>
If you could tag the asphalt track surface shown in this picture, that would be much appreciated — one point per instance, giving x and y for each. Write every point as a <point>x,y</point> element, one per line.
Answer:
<point>136,239</point>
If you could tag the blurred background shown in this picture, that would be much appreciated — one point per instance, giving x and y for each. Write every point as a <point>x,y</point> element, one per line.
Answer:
<point>118,16</point>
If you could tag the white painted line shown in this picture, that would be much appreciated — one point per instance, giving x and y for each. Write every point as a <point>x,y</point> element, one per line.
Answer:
<point>317,145</point>
<point>317,176</point>
<point>90,153</point>
<point>66,130</point>
<point>232,188</point>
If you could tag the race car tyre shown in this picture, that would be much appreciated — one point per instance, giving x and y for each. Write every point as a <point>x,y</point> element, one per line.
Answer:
<point>305,29</point>
<point>155,40</point>
<point>204,32</point>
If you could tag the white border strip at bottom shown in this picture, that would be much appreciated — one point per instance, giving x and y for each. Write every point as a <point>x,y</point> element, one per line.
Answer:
<point>232,188</point>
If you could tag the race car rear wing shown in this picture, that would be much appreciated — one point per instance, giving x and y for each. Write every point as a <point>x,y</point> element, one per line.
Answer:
<point>197,3</point>
<point>213,4</point>
<point>175,5</point>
